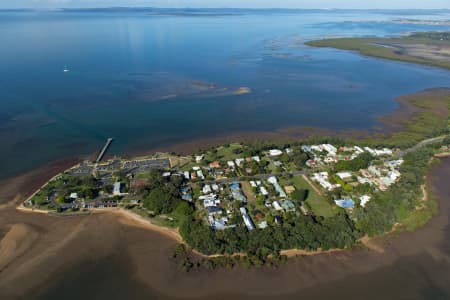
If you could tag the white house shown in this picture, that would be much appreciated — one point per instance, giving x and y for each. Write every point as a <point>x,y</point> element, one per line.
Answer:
<point>275,152</point>
<point>116,189</point>
<point>363,200</point>
<point>256,158</point>
<point>263,191</point>
<point>277,205</point>
<point>344,175</point>
<point>239,161</point>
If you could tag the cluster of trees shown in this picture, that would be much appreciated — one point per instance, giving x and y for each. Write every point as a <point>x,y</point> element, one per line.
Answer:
<point>361,162</point>
<point>188,262</point>
<point>86,187</point>
<point>162,194</point>
<point>296,232</point>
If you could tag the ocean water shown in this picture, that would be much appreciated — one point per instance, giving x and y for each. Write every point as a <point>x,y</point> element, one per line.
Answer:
<point>152,79</point>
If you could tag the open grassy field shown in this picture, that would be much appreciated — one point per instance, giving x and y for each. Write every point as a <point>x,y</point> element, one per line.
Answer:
<point>423,48</point>
<point>318,204</point>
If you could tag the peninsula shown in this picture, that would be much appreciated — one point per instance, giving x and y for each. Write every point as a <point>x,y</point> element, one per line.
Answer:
<point>254,203</point>
<point>428,48</point>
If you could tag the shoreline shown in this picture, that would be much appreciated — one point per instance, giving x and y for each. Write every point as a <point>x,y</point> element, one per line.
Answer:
<point>132,219</point>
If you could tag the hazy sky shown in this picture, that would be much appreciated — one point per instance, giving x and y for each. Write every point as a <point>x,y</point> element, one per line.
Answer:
<point>231,3</point>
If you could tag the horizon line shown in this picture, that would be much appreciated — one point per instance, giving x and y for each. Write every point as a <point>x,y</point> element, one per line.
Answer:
<point>216,8</point>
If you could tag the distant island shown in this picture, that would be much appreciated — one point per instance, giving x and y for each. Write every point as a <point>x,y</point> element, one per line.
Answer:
<point>258,203</point>
<point>422,22</point>
<point>427,48</point>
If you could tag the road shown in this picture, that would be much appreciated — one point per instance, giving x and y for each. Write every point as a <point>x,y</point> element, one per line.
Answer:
<point>254,177</point>
<point>423,143</point>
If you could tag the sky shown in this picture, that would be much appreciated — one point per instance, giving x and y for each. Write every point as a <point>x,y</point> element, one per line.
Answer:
<point>357,4</point>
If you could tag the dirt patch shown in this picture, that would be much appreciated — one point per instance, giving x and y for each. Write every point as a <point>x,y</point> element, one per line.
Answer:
<point>247,189</point>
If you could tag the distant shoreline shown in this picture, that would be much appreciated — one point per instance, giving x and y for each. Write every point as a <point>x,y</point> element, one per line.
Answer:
<point>424,48</point>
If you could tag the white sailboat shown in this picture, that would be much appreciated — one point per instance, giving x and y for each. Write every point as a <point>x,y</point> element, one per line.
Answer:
<point>66,70</point>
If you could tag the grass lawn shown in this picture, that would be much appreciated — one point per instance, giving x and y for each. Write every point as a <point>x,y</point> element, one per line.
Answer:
<point>318,204</point>
<point>225,153</point>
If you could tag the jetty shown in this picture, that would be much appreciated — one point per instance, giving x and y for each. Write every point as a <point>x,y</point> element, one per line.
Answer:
<point>104,149</point>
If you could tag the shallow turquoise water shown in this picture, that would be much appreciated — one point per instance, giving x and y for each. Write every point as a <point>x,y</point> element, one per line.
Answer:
<point>152,81</point>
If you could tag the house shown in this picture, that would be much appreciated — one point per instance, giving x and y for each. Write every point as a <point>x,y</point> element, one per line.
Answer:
<point>346,203</point>
<point>374,171</point>
<point>253,184</point>
<point>239,161</point>
<point>212,210</point>
<point>289,189</point>
<point>306,148</point>
<point>210,201</point>
<point>330,149</point>
<point>116,189</point>
<point>275,152</point>
<point>394,175</point>
<point>200,174</point>
<point>256,158</point>
<point>199,158</point>
<point>276,205</point>
<point>231,164</point>
<point>186,197</point>
<point>214,165</point>
<point>236,192</point>
<point>288,205</point>
<point>263,225</point>
<point>344,175</point>
<point>263,191</point>
<point>273,180</point>
<point>363,200</point>
<point>247,221</point>
<point>370,150</point>
<point>219,223</point>
<point>364,180</point>
<point>73,196</point>
<point>278,219</point>
<point>166,174</point>
<point>206,189</point>
<point>317,148</point>
<point>322,179</point>
<point>358,150</point>
<point>395,163</point>
<point>186,175</point>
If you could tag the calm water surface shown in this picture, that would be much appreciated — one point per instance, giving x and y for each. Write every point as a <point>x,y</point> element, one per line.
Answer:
<point>152,81</point>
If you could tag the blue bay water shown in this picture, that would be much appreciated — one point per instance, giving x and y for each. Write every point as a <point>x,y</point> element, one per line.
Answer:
<point>156,80</point>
